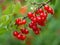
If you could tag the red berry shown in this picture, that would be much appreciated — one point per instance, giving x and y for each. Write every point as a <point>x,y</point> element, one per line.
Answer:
<point>18,21</point>
<point>34,20</point>
<point>31,18</point>
<point>41,23</point>
<point>43,16</point>
<point>38,18</point>
<point>15,33</point>
<point>21,37</point>
<point>40,10</point>
<point>23,21</point>
<point>30,25</point>
<point>36,32</point>
<point>50,10</point>
<point>46,7</point>
<point>33,23</point>
<point>34,28</point>
<point>37,12</point>
<point>30,14</point>
<point>24,31</point>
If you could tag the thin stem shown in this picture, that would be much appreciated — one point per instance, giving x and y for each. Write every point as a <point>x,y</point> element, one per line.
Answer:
<point>41,5</point>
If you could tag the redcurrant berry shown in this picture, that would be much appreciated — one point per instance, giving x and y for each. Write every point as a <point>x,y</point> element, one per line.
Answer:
<point>23,21</point>
<point>24,31</point>
<point>34,20</point>
<point>30,14</point>
<point>34,28</point>
<point>50,10</point>
<point>40,10</point>
<point>15,33</point>
<point>30,25</point>
<point>43,16</point>
<point>41,23</point>
<point>46,7</point>
<point>18,21</point>
<point>38,18</point>
<point>36,32</point>
<point>21,37</point>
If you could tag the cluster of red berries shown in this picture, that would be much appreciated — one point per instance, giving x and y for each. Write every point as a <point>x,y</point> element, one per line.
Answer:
<point>21,35</point>
<point>39,17</point>
<point>20,22</point>
<point>49,9</point>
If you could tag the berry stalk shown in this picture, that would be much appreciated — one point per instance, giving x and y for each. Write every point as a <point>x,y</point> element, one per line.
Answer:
<point>41,5</point>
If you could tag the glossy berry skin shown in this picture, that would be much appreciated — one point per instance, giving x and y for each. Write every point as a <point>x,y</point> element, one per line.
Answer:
<point>43,16</point>
<point>40,10</point>
<point>31,18</point>
<point>15,33</point>
<point>46,7</point>
<point>41,23</point>
<point>37,12</point>
<point>34,28</point>
<point>37,32</point>
<point>24,31</point>
<point>30,14</point>
<point>50,10</point>
<point>34,20</point>
<point>18,21</point>
<point>23,21</point>
<point>32,24</point>
<point>21,37</point>
<point>39,19</point>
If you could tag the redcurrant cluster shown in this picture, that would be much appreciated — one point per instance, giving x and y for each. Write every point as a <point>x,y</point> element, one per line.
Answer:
<point>20,22</point>
<point>21,35</point>
<point>39,18</point>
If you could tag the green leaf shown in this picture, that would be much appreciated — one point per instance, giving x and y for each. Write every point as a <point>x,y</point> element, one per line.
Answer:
<point>16,7</point>
<point>8,10</point>
<point>2,30</point>
<point>53,2</point>
<point>5,20</point>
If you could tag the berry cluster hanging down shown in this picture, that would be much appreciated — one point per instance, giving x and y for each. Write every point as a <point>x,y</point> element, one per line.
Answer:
<point>21,35</point>
<point>39,17</point>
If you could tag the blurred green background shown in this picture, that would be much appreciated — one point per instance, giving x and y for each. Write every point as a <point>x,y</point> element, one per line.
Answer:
<point>10,10</point>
